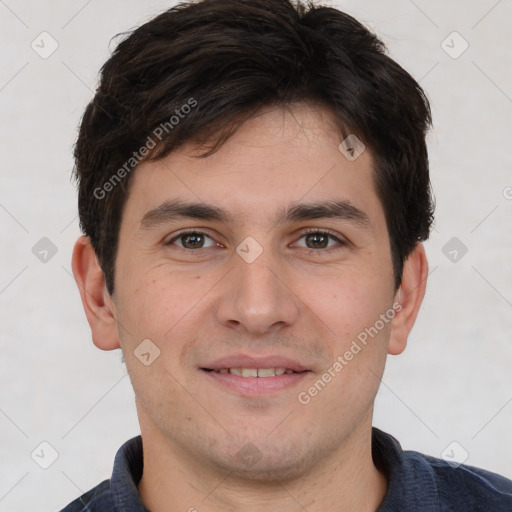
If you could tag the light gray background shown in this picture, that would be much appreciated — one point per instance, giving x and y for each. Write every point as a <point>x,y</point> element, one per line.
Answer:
<point>453,383</point>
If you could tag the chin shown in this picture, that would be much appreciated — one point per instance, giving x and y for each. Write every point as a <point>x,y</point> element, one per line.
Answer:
<point>266,471</point>
<point>281,461</point>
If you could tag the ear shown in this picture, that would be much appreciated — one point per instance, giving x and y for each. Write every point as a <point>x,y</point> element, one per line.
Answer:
<point>98,305</point>
<point>409,296</point>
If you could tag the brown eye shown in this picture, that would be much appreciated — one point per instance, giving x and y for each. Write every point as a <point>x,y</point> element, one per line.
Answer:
<point>316,239</point>
<point>192,240</point>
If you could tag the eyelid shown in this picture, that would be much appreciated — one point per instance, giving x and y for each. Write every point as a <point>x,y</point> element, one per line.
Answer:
<point>325,231</point>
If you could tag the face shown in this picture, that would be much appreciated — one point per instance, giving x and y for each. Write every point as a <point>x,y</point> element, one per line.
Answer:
<point>226,266</point>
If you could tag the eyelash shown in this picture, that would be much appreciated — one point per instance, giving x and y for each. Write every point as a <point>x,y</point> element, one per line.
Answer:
<point>341,243</point>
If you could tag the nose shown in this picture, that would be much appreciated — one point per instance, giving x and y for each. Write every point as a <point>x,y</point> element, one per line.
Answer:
<point>256,297</point>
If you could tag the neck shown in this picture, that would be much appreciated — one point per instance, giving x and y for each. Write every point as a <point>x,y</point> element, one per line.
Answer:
<point>345,481</point>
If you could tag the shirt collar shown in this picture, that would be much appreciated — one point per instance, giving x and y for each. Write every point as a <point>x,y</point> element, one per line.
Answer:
<point>411,481</point>
<point>128,467</point>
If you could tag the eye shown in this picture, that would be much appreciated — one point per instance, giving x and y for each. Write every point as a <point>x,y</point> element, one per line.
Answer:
<point>192,240</point>
<point>314,239</point>
<point>318,239</point>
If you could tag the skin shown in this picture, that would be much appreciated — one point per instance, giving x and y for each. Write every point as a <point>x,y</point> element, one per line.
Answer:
<point>299,299</point>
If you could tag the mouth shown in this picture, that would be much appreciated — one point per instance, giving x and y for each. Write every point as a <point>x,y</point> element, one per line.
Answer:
<point>253,372</point>
<point>252,376</point>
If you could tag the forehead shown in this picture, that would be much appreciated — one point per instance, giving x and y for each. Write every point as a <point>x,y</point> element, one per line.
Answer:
<point>276,160</point>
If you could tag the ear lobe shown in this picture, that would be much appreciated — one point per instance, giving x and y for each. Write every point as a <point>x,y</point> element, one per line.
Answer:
<point>409,296</point>
<point>97,303</point>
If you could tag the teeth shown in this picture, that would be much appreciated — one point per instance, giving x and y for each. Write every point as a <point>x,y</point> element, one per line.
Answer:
<point>266,372</point>
<point>255,372</point>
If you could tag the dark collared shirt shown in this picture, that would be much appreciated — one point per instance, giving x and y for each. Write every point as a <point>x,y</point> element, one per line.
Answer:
<point>416,483</point>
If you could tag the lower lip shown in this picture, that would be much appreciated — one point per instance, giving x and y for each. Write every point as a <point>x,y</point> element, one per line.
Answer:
<point>256,385</point>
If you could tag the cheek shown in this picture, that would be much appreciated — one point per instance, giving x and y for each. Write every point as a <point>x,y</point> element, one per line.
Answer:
<point>167,309</point>
<point>154,309</point>
<point>156,301</point>
<point>349,305</point>
<point>357,340</point>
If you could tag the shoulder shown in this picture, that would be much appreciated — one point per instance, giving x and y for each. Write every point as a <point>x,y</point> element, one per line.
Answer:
<point>121,488</point>
<point>99,498</point>
<point>419,482</point>
<point>472,486</point>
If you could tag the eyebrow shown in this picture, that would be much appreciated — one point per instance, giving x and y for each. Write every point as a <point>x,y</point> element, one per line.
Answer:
<point>170,211</point>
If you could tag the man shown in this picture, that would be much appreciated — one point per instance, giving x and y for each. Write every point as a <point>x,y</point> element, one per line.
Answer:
<point>253,191</point>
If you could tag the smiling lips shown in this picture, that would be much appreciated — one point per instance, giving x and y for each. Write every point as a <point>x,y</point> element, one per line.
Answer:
<point>245,363</point>
<point>250,375</point>
<point>255,372</point>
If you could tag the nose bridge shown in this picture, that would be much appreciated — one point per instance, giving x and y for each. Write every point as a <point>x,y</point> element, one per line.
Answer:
<point>258,284</point>
<point>255,297</point>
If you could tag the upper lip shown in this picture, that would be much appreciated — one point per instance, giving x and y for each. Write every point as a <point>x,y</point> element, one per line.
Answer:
<point>246,361</point>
